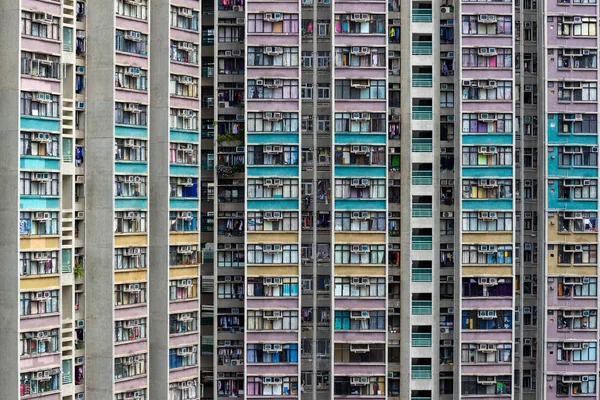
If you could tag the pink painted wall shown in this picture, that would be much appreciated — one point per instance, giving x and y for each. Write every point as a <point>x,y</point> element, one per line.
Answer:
<point>568,41</point>
<point>183,339</point>
<point>361,73</point>
<point>281,72</point>
<point>475,106</point>
<point>359,336</point>
<point>487,302</point>
<point>360,105</point>
<point>274,369</point>
<point>273,303</point>
<point>41,45</point>
<point>489,9</point>
<point>568,334</point>
<point>40,84</point>
<point>40,362</point>
<point>184,373</point>
<point>486,41</point>
<point>190,305</point>
<point>195,4</point>
<point>272,40</point>
<point>44,6</point>
<point>572,302</point>
<point>130,24</point>
<point>348,39</point>
<point>355,7</point>
<point>180,102</point>
<point>184,69</point>
<point>350,369</point>
<point>487,73</point>
<point>183,35</point>
<point>39,322</point>
<point>274,105</point>
<point>131,59</point>
<point>567,107</point>
<point>497,335</point>
<point>274,337</point>
<point>131,96</point>
<point>127,348</point>
<point>360,304</point>
<point>131,312</point>
<point>131,384</point>
<point>273,6</point>
<point>498,369</point>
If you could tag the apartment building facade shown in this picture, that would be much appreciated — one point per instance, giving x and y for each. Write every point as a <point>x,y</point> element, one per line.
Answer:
<point>316,199</point>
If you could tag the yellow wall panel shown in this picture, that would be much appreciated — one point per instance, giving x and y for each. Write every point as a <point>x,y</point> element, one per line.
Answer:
<point>131,240</point>
<point>556,270</point>
<point>187,272</point>
<point>360,237</point>
<point>39,243</point>
<point>273,270</point>
<point>272,237</point>
<point>122,276</point>
<point>181,238</point>
<point>487,237</point>
<point>358,270</point>
<point>555,237</point>
<point>487,270</point>
<point>39,283</point>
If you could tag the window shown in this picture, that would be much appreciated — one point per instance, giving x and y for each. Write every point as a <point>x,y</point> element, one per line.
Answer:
<point>272,320</point>
<point>183,289</point>
<point>39,104</point>
<point>128,366</point>
<point>480,385</point>
<point>577,222</point>
<point>182,357</point>
<point>577,91</point>
<point>360,89</point>
<point>183,255</point>
<point>127,9</point>
<point>360,188</point>
<point>352,353</point>
<point>307,91</point>
<point>184,86</point>
<point>487,155</point>
<point>486,90</point>
<point>577,254</point>
<point>349,57</point>
<point>40,65</point>
<point>130,221</point>
<point>272,353</point>
<point>184,390</point>
<point>360,320</point>
<point>184,119</point>
<point>360,287</point>
<point>38,263</point>
<point>577,156</point>
<point>272,254</point>
<point>494,123</point>
<point>577,59</point>
<point>284,23</point>
<point>323,91</point>
<point>447,96</point>
<point>130,293</point>
<point>272,386</point>
<point>184,18</point>
<point>374,23</point>
<point>576,385</point>
<point>587,125</point>
<point>323,58</point>
<point>39,144</point>
<point>183,322</point>
<point>359,221</point>
<point>575,319</point>
<point>360,155</point>
<point>131,329</point>
<point>487,254</point>
<point>258,122</point>
<point>269,188</point>
<point>138,394</point>
<point>307,60</point>
<point>273,221</point>
<point>493,25</point>
<point>481,221</point>
<point>183,221</point>
<point>576,189</point>
<point>230,259</point>
<point>481,58</point>
<point>130,186</point>
<point>272,155</point>
<point>487,319</point>
<point>272,287</point>
<point>130,258</point>
<point>574,352</point>
<point>39,343</point>
<point>131,42</point>
<point>184,187</point>
<point>487,189</point>
<point>231,34</point>
<point>346,386</point>
<point>40,382</point>
<point>131,150</point>
<point>41,25</point>
<point>359,254</point>
<point>184,52</point>
<point>373,122</point>
<point>183,153</point>
<point>566,26</point>
<point>483,287</point>
<point>39,183</point>
<point>36,303</point>
<point>131,114</point>
<point>133,78</point>
<point>480,353</point>
<point>273,89</point>
<point>38,223</point>
<point>258,57</point>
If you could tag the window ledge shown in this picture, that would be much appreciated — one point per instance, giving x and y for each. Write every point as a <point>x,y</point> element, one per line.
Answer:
<point>34,316</point>
<point>124,342</point>
<point>130,378</point>
<point>42,276</point>
<point>142,91</point>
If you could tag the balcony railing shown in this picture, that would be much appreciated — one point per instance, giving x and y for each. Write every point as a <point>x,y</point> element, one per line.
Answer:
<point>421,307</point>
<point>422,243</point>
<point>421,274</point>
<point>420,48</point>
<point>421,15</point>
<point>421,210</point>
<point>422,112</point>
<point>422,145</point>
<point>422,177</point>
<point>422,80</point>
<point>421,339</point>
<point>421,372</point>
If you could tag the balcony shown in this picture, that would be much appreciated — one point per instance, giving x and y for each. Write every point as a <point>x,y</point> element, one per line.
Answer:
<point>421,15</point>
<point>422,80</point>
<point>422,243</point>
<point>422,145</point>
<point>422,113</point>
<point>421,274</point>
<point>420,372</point>
<point>422,177</point>
<point>421,307</point>
<point>421,210</point>
<point>421,339</point>
<point>421,48</point>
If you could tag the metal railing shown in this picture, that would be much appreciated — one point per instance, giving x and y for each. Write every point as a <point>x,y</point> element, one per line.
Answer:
<point>420,48</point>
<point>421,15</point>
<point>422,145</point>
<point>421,275</point>
<point>422,243</point>
<point>422,80</point>
<point>422,177</point>
<point>421,307</point>
<point>420,372</point>
<point>421,210</point>
<point>421,339</point>
<point>422,112</point>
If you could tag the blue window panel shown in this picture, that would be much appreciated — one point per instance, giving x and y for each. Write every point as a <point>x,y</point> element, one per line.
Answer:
<point>359,204</point>
<point>353,171</point>
<point>554,203</point>
<point>40,124</point>
<point>555,138</point>
<point>270,138</point>
<point>183,136</point>
<point>487,139</point>
<point>137,203</point>
<point>487,172</point>
<point>131,167</point>
<point>39,163</point>
<point>183,204</point>
<point>273,204</point>
<point>487,204</point>
<point>140,132</point>
<point>564,171</point>
<point>38,203</point>
<point>275,170</point>
<point>360,138</point>
<point>183,170</point>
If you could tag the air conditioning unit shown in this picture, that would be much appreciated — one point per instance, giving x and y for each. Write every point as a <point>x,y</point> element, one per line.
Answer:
<point>184,317</point>
<point>184,250</point>
<point>360,83</point>
<point>132,108</point>
<point>272,182</point>
<point>446,10</point>
<point>133,36</point>
<point>41,177</point>
<point>273,17</point>
<point>185,80</point>
<point>41,216</point>
<point>272,248</point>
<point>486,19</point>
<point>185,12</point>
<point>185,46</point>
<point>273,50</point>
<point>487,117</point>
<point>272,116</point>
<point>359,348</point>
<point>42,18</point>
<point>272,215</point>
<point>360,17</point>
<point>359,381</point>
<point>42,97</point>
<point>185,113</point>
<point>41,137</point>
<point>360,248</point>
